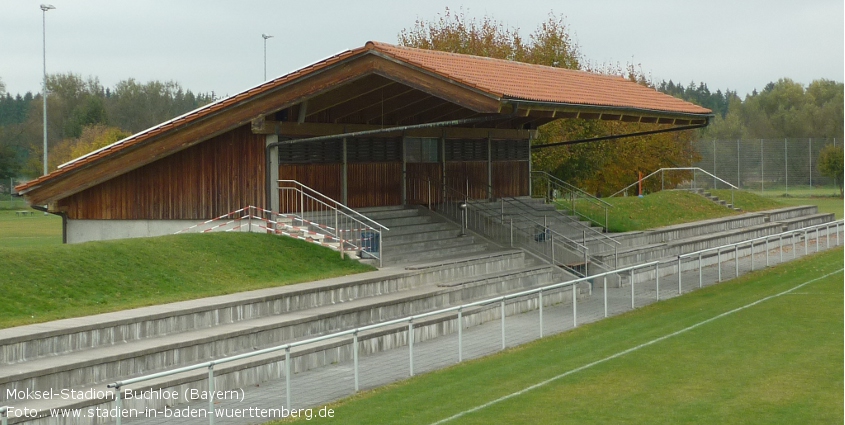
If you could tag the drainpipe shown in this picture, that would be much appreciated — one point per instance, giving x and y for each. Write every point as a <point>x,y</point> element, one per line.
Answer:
<point>60,214</point>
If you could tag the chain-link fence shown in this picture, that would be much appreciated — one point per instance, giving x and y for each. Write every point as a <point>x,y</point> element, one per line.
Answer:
<point>781,165</point>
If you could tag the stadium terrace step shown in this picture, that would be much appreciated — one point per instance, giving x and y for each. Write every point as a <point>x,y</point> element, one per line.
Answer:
<point>790,212</point>
<point>421,288</point>
<point>805,221</point>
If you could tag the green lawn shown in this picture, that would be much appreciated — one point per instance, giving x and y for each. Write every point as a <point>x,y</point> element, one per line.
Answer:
<point>776,362</point>
<point>52,282</point>
<point>30,230</point>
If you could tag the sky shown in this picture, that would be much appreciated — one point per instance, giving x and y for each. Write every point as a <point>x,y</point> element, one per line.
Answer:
<point>216,45</point>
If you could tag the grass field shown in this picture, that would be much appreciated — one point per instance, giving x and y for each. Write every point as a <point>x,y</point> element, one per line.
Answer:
<point>29,231</point>
<point>779,361</point>
<point>53,282</point>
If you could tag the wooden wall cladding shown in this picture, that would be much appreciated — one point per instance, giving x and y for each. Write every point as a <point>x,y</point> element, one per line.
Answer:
<point>458,173</point>
<point>374,184</point>
<point>220,175</point>
<point>510,178</point>
<point>417,176</point>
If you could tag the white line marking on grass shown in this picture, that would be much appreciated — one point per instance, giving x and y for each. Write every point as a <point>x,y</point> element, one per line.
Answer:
<point>622,353</point>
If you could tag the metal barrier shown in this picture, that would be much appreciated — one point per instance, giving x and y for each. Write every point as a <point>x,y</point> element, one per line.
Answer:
<point>553,189</point>
<point>693,183</point>
<point>435,339</point>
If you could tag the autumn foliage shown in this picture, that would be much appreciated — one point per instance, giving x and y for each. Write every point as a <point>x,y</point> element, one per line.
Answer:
<point>599,167</point>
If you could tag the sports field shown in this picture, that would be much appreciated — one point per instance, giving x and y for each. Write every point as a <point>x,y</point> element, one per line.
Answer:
<point>765,348</point>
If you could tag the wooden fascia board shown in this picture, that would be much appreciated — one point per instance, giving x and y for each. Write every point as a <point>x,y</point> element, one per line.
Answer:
<point>196,132</point>
<point>437,85</point>
<point>560,109</point>
<point>294,130</point>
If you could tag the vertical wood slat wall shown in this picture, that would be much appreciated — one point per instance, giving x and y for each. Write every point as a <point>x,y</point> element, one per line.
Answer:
<point>204,181</point>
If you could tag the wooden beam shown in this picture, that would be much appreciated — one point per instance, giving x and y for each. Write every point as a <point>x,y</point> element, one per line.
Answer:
<point>348,92</point>
<point>369,102</point>
<point>439,87</point>
<point>293,130</point>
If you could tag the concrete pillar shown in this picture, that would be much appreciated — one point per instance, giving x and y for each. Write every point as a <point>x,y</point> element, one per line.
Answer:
<point>273,172</point>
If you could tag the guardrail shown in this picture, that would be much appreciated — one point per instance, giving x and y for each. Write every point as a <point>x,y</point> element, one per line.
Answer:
<point>644,276</point>
<point>695,172</point>
<point>553,189</point>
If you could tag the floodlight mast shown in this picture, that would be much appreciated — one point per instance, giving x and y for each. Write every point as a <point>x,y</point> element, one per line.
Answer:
<point>265,37</point>
<point>44,9</point>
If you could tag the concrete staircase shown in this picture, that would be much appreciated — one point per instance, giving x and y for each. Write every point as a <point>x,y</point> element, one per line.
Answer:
<point>90,352</point>
<point>418,236</point>
<point>715,199</point>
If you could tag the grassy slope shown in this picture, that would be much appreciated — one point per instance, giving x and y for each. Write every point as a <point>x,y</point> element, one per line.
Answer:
<point>52,282</point>
<point>780,361</point>
<point>673,207</point>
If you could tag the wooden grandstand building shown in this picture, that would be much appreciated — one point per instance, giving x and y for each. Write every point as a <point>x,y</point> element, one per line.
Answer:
<point>360,127</point>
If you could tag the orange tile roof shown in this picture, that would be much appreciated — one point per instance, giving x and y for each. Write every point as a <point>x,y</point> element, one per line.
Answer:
<point>509,79</point>
<point>501,78</point>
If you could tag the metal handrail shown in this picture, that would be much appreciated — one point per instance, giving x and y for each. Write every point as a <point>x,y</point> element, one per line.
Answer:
<point>577,222</point>
<point>334,201</point>
<point>459,309</point>
<point>569,186</point>
<point>693,169</point>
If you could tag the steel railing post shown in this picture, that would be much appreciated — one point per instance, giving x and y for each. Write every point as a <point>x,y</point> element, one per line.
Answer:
<point>211,391</point>
<point>806,243</point>
<point>411,346</point>
<point>540,302</point>
<point>288,370</point>
<point>700,277</point>
<point>679,275</point>
<point>752,255</point>
<point>429,194</point>
<point>657,279</point>
<point>552,243</point>
<point>460,334</point>
<point>632,289</point>
<point>574,306</point>
<point>615,256</point>
<point>780,247</point>
<point>380,251</point>
<point>605,296</point>
<point>818,239</point>
<point>511,233</point>
<point>355,358</point>
<point>118,403</point>
<point>503,323</point>
<point>719,262</point>
<point>736,259</point>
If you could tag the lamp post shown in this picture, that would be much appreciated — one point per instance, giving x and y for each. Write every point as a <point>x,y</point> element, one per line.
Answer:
<point>265,37</point>
<point>44,9</point>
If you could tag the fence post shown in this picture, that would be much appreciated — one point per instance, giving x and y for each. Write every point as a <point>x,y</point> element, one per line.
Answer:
<point>210,391</point>
<point>118,401</point>
<point>657,279</point>
<point>752,256</point>
<point>818,239</point>
<point>574,306</point>
<point>719,262</point>
<point>632,289</point>
<point>541,312</point>
<point>411,346</point>
<point>762,175</point>
<point>786,163</point>
<point>806,243</point>
<point>780,247</point>
<point>460,334</point>
<point>287,377</point>
<point>811,163</point>
<point>552,242</point>
<point>355,357</point>
<point>700,277</point>
<point>767,251</point>
<point>679,275</point>
<point>503,323</point>
<point>511,233</point>
<point>792,239</point>
<point>605,296</point>
<point>736,259</point>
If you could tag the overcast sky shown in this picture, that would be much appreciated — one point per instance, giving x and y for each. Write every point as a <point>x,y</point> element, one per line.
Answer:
<point>216,45</point>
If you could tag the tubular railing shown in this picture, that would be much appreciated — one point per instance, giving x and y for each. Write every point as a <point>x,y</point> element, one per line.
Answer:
<point>595,235</point>
<point>647,275</point>
<point>693,184</point>
<point>308,210</point>
<point>559,192</point>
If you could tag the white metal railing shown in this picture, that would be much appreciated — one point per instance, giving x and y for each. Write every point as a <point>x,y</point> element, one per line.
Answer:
<point>643,273</point>
<point>637,276</point>
<point>695,172</point>
<point>316,212</point>
<point>553,189</point>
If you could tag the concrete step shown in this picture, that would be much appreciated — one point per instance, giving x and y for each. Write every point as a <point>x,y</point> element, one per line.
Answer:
<point>790,212</point>
<point>801,222</point>
<point>259,369</point>
<point>458,247</point>
<point>25,343</point>
<point>405,220</point>
<point>391,239</point>
<point>418,228</point>
<point>170,351</point>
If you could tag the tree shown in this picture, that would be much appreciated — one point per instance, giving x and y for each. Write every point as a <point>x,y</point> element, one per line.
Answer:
<point>830,164</point>
<point>91,138</point>
<point>599,167</point>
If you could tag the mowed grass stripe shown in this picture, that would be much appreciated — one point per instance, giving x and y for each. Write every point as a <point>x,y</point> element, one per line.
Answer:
<point>727,371</point>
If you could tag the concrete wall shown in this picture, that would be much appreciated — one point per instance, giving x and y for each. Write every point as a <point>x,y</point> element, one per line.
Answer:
<point>98,230</point>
